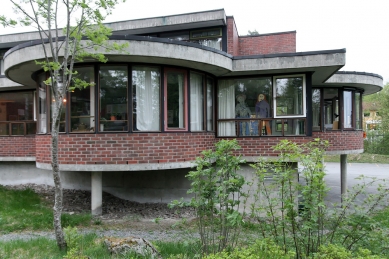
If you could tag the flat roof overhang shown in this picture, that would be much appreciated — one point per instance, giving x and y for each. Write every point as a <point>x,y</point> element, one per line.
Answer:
<point>368,82</point>
<point>6,84</point>
<point>20,61</point>
<point>186,21</point>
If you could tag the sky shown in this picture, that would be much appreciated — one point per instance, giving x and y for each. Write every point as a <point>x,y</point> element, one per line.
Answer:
<point>359,26</point>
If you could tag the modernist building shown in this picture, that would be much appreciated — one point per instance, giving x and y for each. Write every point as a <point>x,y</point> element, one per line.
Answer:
<point>185,82</point>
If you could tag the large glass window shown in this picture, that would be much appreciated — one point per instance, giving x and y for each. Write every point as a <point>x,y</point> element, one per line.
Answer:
<point>316,114</point>
<point>347,109</point>
<point>82,103</point>
<point>146,98</point>
<point>289,96</point>
<point>62,116</point>
<point>175,100</point>
<point>250,99</point>
<point>17,113</point>
<point>196,102</point>
<point>210,110</point>
<point>113,98</point>
<point>331,108</point>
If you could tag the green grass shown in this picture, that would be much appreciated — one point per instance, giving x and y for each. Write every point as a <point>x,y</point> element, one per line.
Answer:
<point>24,210</point>
<point>360,158</point>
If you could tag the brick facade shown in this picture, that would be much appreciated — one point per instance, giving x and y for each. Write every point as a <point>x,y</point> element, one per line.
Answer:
<point>23,146</point>
<point>273,43</point>
<point>135,148</point>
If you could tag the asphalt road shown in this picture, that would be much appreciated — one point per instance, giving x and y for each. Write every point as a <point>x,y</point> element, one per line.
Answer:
<point>354,170</point>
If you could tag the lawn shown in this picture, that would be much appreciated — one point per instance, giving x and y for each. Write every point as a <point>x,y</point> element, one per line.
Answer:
<point>360,158</point>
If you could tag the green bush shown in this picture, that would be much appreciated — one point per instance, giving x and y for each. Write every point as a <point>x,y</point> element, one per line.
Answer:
<point>264,248</point>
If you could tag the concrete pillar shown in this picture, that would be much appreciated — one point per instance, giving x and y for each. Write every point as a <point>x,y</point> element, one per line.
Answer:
<point>343,175</point>
<point>97,192</point>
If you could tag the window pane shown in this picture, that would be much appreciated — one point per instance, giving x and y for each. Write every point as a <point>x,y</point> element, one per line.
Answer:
<point>289,96</point>
<point>316,119</point>
<point>62,120</point>
<point>175,100</point>
<point>42,109</point>
<point>358,110</point>
<point>146,92</point>
<point>251,101</point>
<point>82,103</point>
<point>209,104</point>
<point>196,102</point>
<point>331,108</point>
<point>16,112</point>
<point>113,98</point>
<point>347,104</point>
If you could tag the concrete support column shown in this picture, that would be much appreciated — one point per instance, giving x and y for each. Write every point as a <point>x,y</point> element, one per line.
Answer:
<point>97,192</point>
<point>343,175</point>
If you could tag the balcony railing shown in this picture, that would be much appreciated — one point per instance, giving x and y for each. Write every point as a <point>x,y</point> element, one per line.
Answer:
<point>17,128</point>
<point>261,127</point>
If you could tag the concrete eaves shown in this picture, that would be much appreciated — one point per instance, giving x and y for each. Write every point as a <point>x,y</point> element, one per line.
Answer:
<point>370,83</point>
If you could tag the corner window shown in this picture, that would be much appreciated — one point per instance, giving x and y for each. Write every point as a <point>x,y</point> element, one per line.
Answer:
<point>331,108</point>
<point>289,99</point>
<point>113,103</point>
<point>42,105</point>
<point>358,110</point>
<point>347,110</point>
<point>176,112</point>
<point>146,98</point>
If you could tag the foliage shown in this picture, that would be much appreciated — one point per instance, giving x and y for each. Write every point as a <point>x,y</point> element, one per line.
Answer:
<point>264,248</point>
<point>217,190</point>
<point>376,142</point>
<point>353,225</point>
<point>381,101</point>
<point>338,252</point>
<point>24,210</point>
<point>359,158</point>
<point>82,35</point>
<point>254,32</point>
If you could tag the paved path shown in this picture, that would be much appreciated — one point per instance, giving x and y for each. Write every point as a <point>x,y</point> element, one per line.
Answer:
<point>353,170</point>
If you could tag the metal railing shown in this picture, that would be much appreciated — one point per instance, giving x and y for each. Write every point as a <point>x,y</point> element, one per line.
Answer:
<point>248,127</point>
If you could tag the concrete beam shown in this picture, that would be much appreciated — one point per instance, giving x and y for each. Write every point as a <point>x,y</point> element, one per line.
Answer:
<point>97,193</point>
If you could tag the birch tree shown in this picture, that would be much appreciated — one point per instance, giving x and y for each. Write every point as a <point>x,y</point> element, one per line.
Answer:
<point>82,34</point>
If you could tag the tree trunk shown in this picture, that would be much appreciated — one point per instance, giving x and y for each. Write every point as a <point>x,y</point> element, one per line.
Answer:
<point>58,198</point>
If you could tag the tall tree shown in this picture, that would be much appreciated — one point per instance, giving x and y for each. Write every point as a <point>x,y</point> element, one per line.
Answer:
<point>82,35</point>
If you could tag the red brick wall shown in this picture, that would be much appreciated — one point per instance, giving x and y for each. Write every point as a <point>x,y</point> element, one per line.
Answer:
<point>132,148</point>
<point>232,37</point>
<point>153,147</point>
<point>342,140</point>
<point>267,44</point>
<point>23,146</point>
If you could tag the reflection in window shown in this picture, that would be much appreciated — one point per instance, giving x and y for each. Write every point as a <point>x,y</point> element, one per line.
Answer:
<point>16,113</point>
<point>42,110</point>
<point>62,120</point>
<point>113,98</point>
<point>289,93</point>
<point>209,104</point>
<point>331,108</point>
<point>175,99</point>
<point>146,100</point>
<point>347,108</point>
<point>82,103</point>
<point>251,98</point>
<point>196,102</point>
<point>316,109</point>
<point>358,110</point>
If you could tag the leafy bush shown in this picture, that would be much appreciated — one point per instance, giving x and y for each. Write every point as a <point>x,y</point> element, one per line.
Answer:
<point>217,190</point>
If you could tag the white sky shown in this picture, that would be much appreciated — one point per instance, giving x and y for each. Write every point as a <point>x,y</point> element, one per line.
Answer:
<point>360,26</point>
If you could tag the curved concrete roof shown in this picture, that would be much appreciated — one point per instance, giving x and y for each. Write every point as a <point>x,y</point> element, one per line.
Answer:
<point>369,82</point>
<point>20,61</point>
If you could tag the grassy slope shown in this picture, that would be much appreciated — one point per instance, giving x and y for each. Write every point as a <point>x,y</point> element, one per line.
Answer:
<point>360,158</point>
